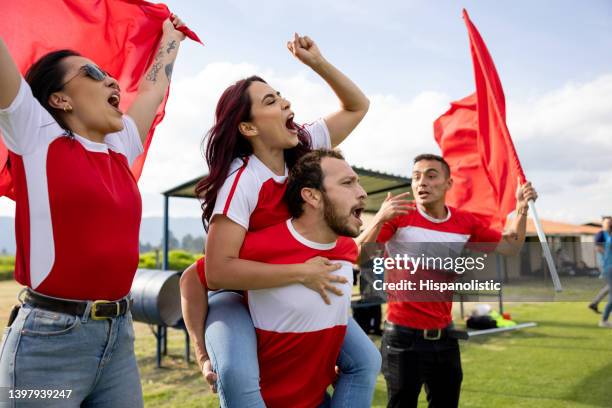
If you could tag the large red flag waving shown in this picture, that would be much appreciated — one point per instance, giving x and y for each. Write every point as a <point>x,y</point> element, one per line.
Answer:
<point>121,36</point>
<point>475,141</point>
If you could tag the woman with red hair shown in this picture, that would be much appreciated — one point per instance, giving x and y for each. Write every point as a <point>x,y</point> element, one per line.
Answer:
<point>250,147</point>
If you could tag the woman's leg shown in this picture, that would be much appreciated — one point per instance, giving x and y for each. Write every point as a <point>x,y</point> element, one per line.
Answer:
<point>118,380</point>
<point>46,350</point>
<point>359,362</point>
<point>232,346</point>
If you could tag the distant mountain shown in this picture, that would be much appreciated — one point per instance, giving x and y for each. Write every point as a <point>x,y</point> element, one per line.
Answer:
<point>151,230</point>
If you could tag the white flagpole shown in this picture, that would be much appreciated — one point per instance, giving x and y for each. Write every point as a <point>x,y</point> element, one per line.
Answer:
<point>545,248</point>
<point>474,333</point>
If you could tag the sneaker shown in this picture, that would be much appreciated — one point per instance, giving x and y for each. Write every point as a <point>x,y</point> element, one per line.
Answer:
<point>606,323</point>
<point>593,307</point>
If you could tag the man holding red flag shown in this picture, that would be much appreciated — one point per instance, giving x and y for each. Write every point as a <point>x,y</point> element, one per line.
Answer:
<point>419,344</point>
<point>78,213</point>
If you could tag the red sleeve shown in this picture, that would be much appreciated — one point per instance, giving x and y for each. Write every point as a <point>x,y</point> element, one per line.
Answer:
<point>388,230</point>
<point>482,233</point>
<point>200,265</point>
<point>251,248</point>
<point>346,250</point>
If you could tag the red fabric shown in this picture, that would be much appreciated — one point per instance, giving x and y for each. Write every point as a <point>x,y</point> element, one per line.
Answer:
<point>476,143</point>
<point>296,368</point>
<point>200,267</point>
<point>121,36</point>
<point>6,182</point>
<point>110,255</point>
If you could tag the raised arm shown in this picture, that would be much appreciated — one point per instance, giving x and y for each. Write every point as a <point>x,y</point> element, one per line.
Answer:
<point>514,237</point>
<point>153,86</point>
<point>9,77</point>
<point>392,206</point>
<point>225,270</point>
<point>353,103</point>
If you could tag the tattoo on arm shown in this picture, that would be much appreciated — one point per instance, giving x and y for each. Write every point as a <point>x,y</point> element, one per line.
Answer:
<point>156,66</point>
<point>157,62</point>
<point>168,69</point>
<point>152,74</point>
<point>171,46</point>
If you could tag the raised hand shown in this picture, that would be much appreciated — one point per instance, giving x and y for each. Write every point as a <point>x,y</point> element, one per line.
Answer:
<point>394,206</point>
<point>305,49</point>
<point>172,24</point>
<point>524,193</point>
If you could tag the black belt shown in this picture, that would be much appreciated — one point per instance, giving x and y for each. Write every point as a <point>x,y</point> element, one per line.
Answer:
<point>427,334</point>
<point>100,309</point>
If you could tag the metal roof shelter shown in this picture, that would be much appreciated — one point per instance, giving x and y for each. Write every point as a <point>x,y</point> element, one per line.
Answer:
<point>375,183</point>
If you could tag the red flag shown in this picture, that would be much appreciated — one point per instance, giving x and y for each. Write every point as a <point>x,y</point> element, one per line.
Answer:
<point>6,182</point>
<point>121,36</point>
<point>475,141</point>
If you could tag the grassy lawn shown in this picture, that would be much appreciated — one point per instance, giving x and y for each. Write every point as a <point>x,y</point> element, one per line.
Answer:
<point>564,362</point>
<point>7,265</point>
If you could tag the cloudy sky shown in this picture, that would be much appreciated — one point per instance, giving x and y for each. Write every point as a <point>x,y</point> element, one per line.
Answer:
<point>411,58</point>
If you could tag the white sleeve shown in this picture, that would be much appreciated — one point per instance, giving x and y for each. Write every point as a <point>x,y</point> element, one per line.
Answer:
<point>238,196</point>
<point>319,134</point>
<point>25,124</point>
<point>127,141</point>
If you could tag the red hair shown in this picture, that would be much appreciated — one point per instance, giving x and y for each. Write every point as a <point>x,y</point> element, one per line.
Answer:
<point>225,143</point>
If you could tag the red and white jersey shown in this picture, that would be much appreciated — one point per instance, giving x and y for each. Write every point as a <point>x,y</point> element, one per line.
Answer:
<point>78,207</point>
<point>298,335</point>
<point>402,235</point>
<point>252,195</point>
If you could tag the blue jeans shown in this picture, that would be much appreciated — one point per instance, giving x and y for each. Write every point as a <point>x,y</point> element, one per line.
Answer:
<point>94,359</point>
<point>232,345</point>
<point>608,309</point>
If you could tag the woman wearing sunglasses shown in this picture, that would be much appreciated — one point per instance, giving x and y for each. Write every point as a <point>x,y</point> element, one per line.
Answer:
<point>78,212</point>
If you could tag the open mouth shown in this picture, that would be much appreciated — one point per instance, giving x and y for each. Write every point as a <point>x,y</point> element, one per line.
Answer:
<point>423,194</point>
<point>356,212</point>
<point>114,100</point>
<point>290,124</point>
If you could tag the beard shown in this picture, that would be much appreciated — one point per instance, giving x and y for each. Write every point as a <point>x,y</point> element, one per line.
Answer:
<point>335,221</point>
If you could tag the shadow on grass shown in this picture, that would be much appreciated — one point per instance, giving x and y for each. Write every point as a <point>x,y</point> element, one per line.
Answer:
<point>550,346</point>
<point>569,325</point>
<point>595,389</point>
<point>519,334</point>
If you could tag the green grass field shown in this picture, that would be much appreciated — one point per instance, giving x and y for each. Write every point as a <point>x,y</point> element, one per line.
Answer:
<point>7,266</point>
<point>564,362</point>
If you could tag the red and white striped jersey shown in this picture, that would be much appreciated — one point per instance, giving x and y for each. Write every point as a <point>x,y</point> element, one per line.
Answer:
<point>78,207</point>
<point>402,235</point>
<point>298,335</point>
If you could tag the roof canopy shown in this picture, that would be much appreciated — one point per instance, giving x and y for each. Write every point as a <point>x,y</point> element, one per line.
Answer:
<point>375,183</point>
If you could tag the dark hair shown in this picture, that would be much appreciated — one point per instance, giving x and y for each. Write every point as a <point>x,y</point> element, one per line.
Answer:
<point>435,157</point>
<point>306,173</point>
<point>225,143</point>
<point>46,76</point>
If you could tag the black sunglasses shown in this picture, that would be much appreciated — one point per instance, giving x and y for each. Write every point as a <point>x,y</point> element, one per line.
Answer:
<point>91,71</point>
